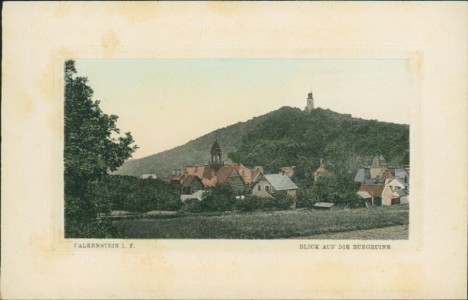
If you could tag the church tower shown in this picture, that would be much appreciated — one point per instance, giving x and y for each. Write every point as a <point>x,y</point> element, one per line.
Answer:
<point>216,153</point>
<point>310,102</point>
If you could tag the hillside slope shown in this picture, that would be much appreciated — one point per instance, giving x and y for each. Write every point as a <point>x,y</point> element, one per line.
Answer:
<point>287,137</point>
<point>196,151</point>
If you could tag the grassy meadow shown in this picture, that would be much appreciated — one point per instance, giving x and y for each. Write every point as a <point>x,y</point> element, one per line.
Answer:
<point>264,225</point>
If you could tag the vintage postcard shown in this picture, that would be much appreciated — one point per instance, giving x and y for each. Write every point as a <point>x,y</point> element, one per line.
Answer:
<point>234,150</point>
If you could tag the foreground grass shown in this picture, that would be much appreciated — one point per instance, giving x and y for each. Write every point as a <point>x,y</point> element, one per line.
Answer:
<point>265,225</point>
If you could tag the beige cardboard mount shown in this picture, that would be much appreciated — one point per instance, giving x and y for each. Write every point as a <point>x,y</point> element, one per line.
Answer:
<point>37,263</point>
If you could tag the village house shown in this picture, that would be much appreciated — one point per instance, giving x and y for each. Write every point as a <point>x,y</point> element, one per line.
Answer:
<point>190,184</point>
<point>395,192</point>
<point>288,171</point>
<point>267,184</point>
<point>194,178</point>
<point>371,193</point>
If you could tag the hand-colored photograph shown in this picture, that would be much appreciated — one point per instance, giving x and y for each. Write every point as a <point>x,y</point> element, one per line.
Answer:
<point>238,148</point>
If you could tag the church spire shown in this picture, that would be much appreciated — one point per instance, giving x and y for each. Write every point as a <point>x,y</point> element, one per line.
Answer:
<point>216,153</point>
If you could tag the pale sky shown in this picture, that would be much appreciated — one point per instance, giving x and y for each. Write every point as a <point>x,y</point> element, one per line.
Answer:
<point>165,103</point>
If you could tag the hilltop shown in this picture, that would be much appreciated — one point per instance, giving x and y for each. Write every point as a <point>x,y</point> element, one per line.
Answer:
<point>287,137</point>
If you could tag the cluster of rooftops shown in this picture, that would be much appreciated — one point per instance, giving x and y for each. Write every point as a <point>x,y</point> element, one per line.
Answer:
<point>389,184</point>
<point>242,179</point>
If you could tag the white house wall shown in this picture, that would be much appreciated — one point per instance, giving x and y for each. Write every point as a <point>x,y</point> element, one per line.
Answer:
<point>387,195</point>
<point>262,192</point>
<point>396,183</point>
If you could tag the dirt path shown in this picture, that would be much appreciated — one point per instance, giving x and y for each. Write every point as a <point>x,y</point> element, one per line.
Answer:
<point>386,233</point>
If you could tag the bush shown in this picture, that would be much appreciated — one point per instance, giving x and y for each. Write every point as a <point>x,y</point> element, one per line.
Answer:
<point>219,198</point>
<point>191,205</point>
<point>249,203</point>
<point>306,197</point>
<point>136,195</point>
<point>81,219</point>
<point>96,229</point>
<point>279,201</point>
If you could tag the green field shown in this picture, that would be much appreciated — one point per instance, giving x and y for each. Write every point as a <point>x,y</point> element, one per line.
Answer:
<point>264,225</point>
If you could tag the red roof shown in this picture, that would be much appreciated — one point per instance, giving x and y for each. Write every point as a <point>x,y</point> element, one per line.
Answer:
<point>173,178</point>
<point>188,180</point>
<point>388,174</point>
<point>248,175</point>
<point>210,176</point>
<point>195,170</point>
<point>373,189</point>
<point>224,172</point>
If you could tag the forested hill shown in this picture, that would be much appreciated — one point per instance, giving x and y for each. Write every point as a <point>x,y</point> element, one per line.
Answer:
<point>288,137</point>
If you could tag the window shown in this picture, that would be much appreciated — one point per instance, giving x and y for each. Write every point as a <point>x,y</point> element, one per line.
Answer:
<point>259,187</point>
<point>267,188</point>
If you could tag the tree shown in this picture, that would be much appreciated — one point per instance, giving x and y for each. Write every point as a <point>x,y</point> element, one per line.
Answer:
<point>219,198</point>
<point>93,147</point>
<point>335,187</point>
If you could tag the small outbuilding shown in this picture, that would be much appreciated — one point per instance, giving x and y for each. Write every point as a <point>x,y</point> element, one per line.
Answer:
<point>148,176</point>
<point>197,196</point>
<point>324,205</point>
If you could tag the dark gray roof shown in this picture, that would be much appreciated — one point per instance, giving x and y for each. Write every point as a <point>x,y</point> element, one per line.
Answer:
<point>401,193</point>
<point>362,175</point>
<point>280,182</point>
<point>402,175</point>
